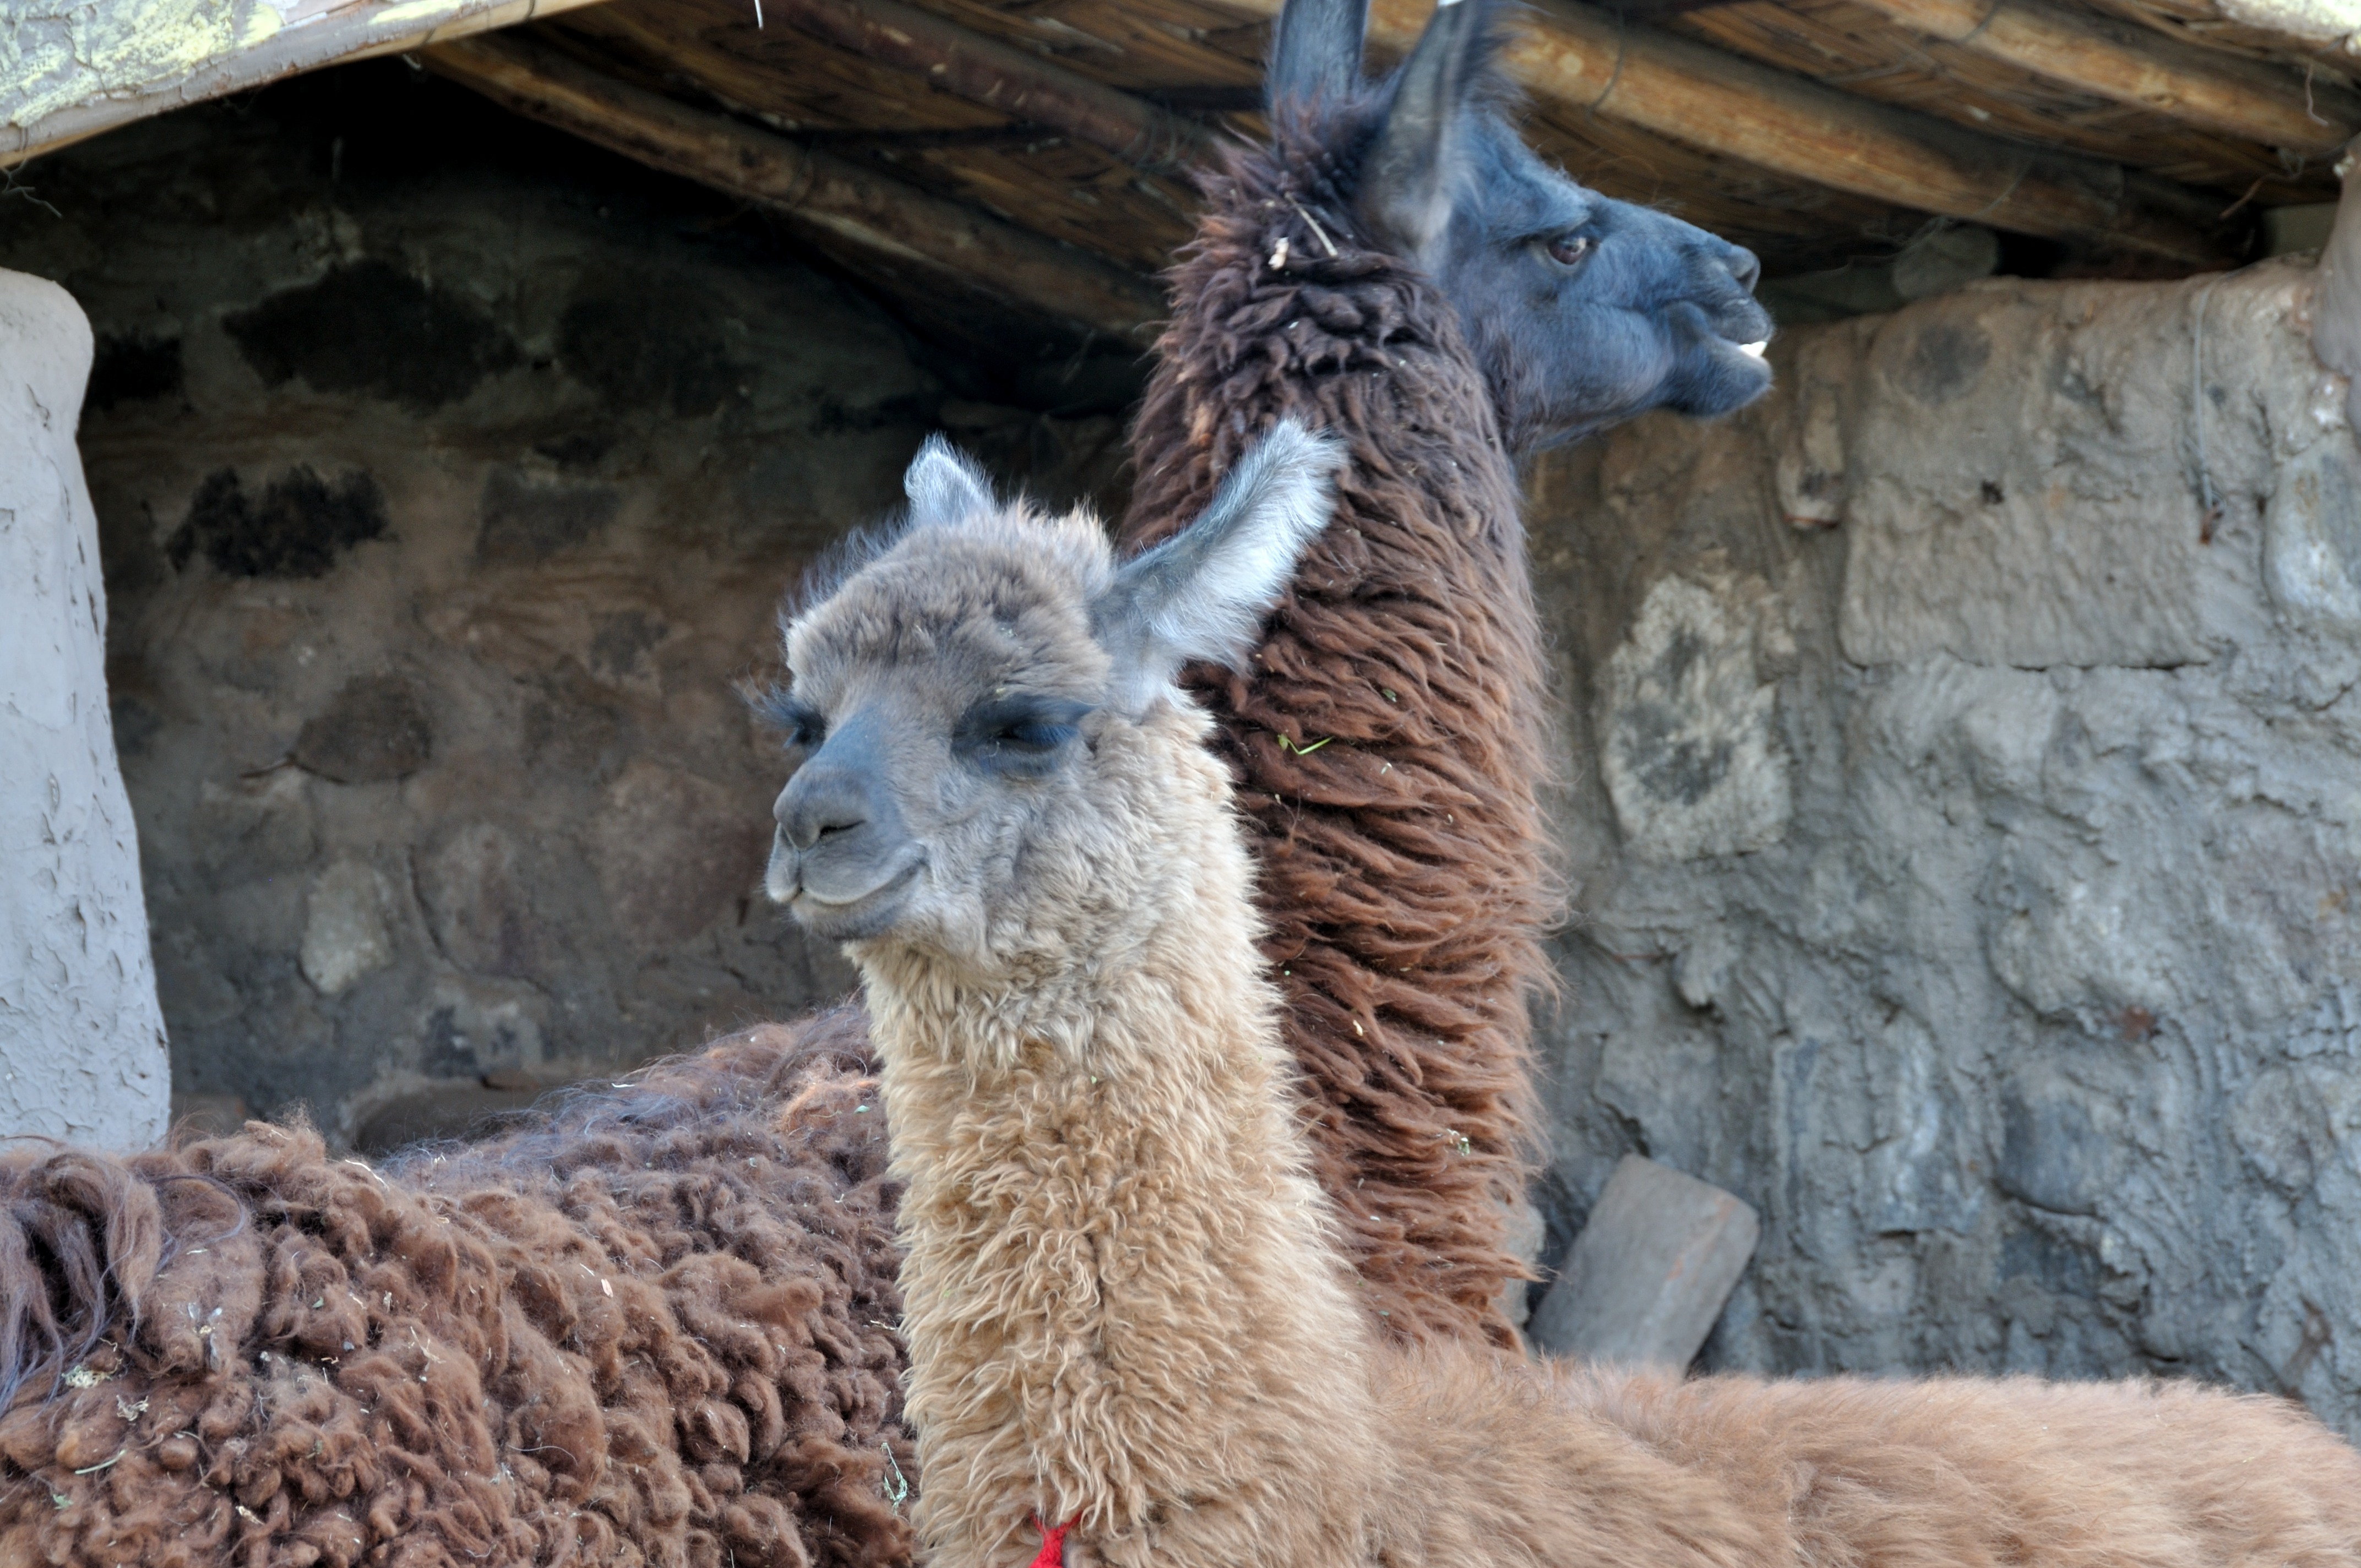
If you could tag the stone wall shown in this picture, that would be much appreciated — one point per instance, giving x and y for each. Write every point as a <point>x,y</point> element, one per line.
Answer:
<point>449,475</point>
<point>1963,816</point>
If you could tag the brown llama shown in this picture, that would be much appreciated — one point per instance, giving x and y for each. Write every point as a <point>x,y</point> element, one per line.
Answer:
<point>1133,1338</point>
<point>1400,270</point>
<point>653,1325</point>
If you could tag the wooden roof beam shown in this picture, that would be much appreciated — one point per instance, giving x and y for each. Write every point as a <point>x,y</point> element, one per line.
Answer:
<point>1717,101</point>
<point>1584,60</point>
<point>837,200</point>
<point>2109,59</point>
<point>1001,77</point>
<point>178,52</point>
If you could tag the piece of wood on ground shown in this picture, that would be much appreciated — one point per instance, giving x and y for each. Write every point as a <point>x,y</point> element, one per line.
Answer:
<point>1649,1275</point>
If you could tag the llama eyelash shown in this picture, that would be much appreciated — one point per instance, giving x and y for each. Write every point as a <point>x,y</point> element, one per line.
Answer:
<point>800,725</point>
<point>1016,733</point>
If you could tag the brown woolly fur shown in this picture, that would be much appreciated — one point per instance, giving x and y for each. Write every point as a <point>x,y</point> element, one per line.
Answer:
<point>1385,738</point>
<point>1126,1309</point>
<point>651,1326</point>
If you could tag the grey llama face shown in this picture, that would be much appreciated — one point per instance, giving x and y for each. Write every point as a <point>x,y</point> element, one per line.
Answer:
<point>959,707</point>
<point>1582,311</point>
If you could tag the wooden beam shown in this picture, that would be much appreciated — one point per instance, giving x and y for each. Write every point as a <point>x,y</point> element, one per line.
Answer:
<point>65,85</point>
<point>999,76</point>
<point>2109,59</point>
<point>1712,99</point>
<point>1583,60</point>
<point>838,200</point>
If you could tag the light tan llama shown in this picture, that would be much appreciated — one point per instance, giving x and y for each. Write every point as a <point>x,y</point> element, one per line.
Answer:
<point>1128,1320</point>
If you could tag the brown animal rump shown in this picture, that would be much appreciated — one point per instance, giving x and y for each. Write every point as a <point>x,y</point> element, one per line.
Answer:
<point>1387,744</point>
<point>654,1326</point>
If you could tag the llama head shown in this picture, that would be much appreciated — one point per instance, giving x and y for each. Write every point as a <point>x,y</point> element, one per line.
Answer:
<point>995,766</point>
<point>1582,311</point>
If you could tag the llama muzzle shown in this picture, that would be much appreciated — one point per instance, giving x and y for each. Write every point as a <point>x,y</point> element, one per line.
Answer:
<point>841,860</point>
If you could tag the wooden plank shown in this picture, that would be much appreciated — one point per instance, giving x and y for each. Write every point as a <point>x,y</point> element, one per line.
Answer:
<point>1704,97</point>
<point>1049,181</point>
<point>2205,87</point>
<point>69,82</point>
<point>1850,44</point>
<point>778,74</point>
<point>1650,1273</point>
<point>772,74</point>
<point>1140,45</point>
<point>1688,91</point>
<point>836,199</point>
<point>1025,87</point>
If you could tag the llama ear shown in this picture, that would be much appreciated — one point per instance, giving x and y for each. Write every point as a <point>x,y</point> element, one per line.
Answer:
<point>1315,52</point>
<point>1412,175</point>
<point>1202,593</point>
<point>945,485</point>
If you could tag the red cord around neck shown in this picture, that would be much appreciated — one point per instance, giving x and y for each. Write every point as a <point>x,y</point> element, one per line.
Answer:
<point>1053,1542</point>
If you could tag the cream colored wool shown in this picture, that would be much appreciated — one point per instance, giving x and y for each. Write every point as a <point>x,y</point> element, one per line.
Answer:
<point>1120,1294</point>
<point>1125,1304</point>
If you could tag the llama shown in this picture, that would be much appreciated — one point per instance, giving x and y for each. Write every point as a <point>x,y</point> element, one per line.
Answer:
<point>1400,270</point>
<point>654,1324</point>
<point>1130,1328</point>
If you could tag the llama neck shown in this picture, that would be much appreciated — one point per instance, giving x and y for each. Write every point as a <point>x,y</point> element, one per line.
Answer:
<point>1113,1237</point>
<point>1396,700</point>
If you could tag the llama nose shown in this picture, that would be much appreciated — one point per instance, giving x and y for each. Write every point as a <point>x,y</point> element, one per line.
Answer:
<point>836,792</point>
<point>820,803</point>
<point>1745,266</point>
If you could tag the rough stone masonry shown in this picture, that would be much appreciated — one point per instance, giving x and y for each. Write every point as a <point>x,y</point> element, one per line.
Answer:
<point>1963,804</point>
<point>443,492</point>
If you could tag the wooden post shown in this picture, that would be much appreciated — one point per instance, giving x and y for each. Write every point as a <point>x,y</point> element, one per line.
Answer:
<point>1650,1273</point>
<point>841,201</point>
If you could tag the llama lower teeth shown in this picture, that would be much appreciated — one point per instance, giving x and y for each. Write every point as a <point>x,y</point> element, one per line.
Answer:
<point>1754,349</point>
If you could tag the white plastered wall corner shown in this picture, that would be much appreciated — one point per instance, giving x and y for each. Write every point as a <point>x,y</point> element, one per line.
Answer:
<point>82,1038</point>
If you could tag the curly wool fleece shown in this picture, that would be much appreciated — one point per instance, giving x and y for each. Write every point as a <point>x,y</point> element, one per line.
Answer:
<point>651,1326</point>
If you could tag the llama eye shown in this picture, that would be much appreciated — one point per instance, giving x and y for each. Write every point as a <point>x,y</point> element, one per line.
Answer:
<point>1022,736</point>
<point>1035,735</point>
<point>801,728</point>
<point>1567,249</point>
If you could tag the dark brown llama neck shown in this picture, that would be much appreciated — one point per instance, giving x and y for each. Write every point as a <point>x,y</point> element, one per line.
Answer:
<point>1387,746</point>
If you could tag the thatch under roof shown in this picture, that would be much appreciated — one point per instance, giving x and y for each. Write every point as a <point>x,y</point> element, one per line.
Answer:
<point>1035,151</point>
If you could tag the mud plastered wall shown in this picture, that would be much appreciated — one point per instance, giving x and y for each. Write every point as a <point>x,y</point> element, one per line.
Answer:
<point>82,1041</point>
<point>1966,823</point>
<point>448,475</point>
